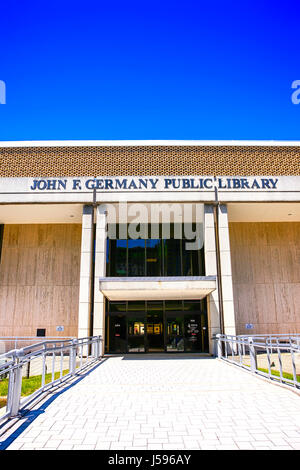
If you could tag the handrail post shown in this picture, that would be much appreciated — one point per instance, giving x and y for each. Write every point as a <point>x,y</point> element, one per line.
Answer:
<point>14,388</point>
<point>240,352</point>
<point>293,365</point>
<point>72,358</point>
<point>44,366</point>
<point>99,347</point>
<point>253,358</point>
<point>219,345</point>
<point>96,348</point>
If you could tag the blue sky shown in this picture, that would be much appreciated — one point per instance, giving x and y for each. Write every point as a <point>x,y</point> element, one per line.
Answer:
<point>149,70</point>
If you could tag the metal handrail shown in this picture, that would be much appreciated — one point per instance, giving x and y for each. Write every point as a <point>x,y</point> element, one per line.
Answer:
<point>83,350</point>
<point>236,349</point>
<point>13,341</point>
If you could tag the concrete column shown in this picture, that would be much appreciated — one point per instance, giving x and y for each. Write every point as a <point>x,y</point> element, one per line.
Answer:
<point>100,271</point>
<point>226,274</point>
<point>210,256</point>
<point>84,314</point>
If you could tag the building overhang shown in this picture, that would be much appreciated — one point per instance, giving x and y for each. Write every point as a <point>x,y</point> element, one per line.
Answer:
<point>157,288</point>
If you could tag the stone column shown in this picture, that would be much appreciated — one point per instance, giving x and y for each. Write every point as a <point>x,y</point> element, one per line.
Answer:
<point>85,284</point>
<point>225,271</point>
<point>100,271</point>
<point>210,256</point>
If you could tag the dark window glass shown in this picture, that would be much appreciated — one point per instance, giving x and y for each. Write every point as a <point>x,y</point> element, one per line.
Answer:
<point>191,306</point>
<point>173,305</point>
<point>136,258</point>
<point>193,333</point>
<point>153,258</point>
<point>187,267</point>
<point>107,257</point>
<point>117,307</point>
<point>172,257</point>
<point>136,306</point>
<point>116,338</point>
<point>154,305</point>
<point>201,263</point>
<point>196,268</point>
<point>153,326</point>
<point>118,256</point>
<point>136,332</point>
<point>175,333</point>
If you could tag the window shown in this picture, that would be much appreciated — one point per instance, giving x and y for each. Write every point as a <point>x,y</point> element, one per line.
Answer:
<point>154,257</point>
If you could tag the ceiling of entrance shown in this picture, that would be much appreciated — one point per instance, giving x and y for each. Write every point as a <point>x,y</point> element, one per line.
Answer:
<point>166,288</point>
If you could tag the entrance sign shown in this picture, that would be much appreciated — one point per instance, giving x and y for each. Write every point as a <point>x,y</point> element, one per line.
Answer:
<point>88,189</point>
<point>153,184</point>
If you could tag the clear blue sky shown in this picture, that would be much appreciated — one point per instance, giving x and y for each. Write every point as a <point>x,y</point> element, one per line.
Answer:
<point>149,69</point>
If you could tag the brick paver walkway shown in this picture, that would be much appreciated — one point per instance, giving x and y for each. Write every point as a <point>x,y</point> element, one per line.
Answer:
<point>163,402</point>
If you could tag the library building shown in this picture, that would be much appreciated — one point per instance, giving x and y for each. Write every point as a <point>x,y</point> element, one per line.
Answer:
<point>157,246</point>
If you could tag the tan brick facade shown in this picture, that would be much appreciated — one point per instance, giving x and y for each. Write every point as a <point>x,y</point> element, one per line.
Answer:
<point>149,160</point>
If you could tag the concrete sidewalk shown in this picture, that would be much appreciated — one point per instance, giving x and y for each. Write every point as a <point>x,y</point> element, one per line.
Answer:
<point>163,402</point>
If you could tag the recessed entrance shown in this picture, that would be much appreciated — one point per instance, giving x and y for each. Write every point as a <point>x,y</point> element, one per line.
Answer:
<point>155,331</point>
<point>158,326</point>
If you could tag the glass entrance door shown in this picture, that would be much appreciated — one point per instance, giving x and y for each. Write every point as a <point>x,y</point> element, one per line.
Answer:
<point>155,332</point>
<point>116,333</point>
<point>136,333</point>
<point>193,336</point>
<point>157,326</point>
<point>175,333</point>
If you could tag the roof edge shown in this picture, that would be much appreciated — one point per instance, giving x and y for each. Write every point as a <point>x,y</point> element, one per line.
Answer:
<point>150,143</point>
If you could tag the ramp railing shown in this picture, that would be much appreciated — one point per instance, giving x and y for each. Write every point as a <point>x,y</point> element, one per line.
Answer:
<point>276,357</point>
<point>27,372</point>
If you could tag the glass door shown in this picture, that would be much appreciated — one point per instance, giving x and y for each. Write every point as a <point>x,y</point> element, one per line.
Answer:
<point>116,338</point>
<point>136,332</point>
<point>155,327</point>
<point>175,333</point>
<point>193,333</point>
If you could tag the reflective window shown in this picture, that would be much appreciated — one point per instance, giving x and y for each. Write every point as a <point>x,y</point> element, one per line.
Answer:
<point>154,257</point>
<point>193,333</point>
<point>172,257</point>
<point>175,333</point>
<point>136,258</point>
<point>117,307</point>
<point>136,333</point>
<point>116,338</point>
<point>118,258</point>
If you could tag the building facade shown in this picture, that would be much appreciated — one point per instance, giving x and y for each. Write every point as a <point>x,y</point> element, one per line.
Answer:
<point>157,246</point>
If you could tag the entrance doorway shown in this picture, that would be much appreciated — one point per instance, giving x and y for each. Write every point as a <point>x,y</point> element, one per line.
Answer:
<point>158,326</point>
<point>155,332</point>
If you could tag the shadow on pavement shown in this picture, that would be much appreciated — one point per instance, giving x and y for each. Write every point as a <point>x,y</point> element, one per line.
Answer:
<point>29,415</point>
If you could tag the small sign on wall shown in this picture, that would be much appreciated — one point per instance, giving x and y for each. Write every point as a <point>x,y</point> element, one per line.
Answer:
<point>249,326</point>
<point>60,328</point>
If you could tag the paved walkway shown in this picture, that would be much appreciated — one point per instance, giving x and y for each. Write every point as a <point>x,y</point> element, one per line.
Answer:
<point>163,402</point>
